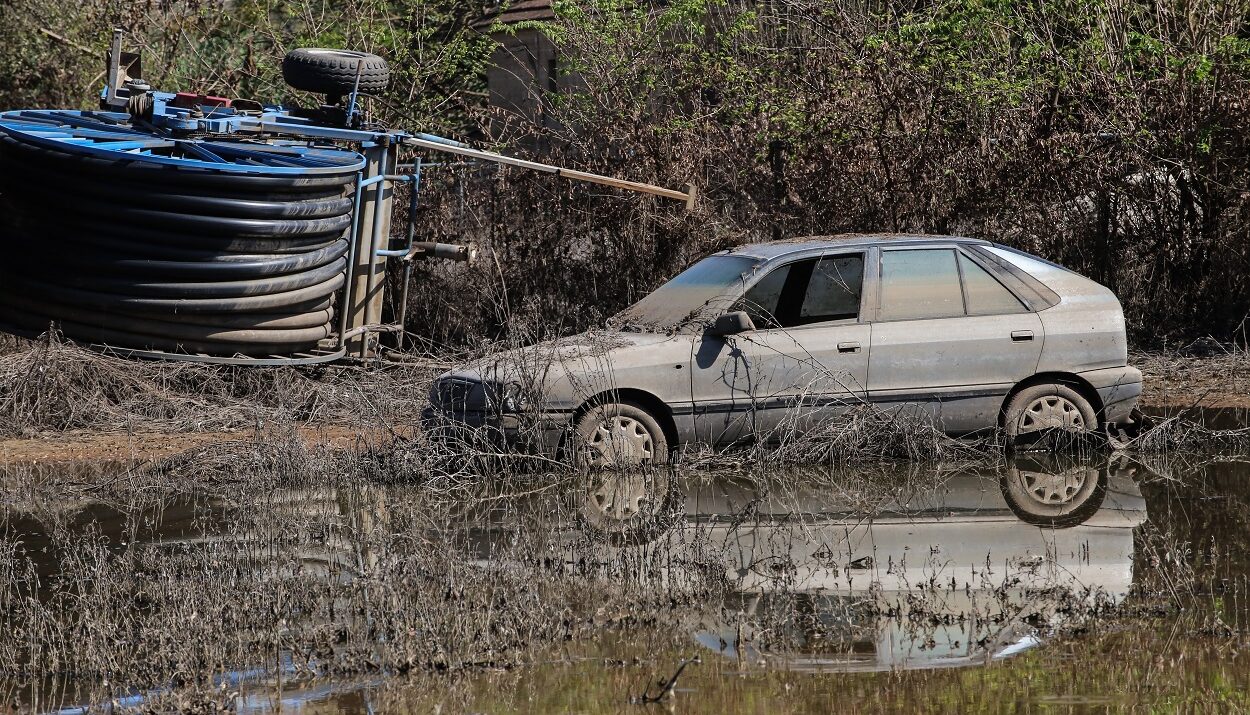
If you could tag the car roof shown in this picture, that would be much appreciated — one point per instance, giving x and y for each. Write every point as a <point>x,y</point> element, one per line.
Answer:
<point>774,249</point>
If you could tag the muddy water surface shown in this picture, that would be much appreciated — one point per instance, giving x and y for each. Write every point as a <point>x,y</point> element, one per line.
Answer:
<point>1047,583</point>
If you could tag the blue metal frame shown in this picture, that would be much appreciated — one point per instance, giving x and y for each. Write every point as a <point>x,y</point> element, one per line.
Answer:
<point>105,135</point>
<point>265,141</point>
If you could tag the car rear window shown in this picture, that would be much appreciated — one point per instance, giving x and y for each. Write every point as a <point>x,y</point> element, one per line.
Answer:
<point>984,294</point>
<point>919,284</point>
<point>1034,266</point>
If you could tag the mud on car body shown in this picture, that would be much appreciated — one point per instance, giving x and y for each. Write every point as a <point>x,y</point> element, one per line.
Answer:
<point>772,338</point>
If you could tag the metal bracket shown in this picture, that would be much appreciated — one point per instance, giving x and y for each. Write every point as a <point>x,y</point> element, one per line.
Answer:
<point>121,66</point>
<point>374,328</point>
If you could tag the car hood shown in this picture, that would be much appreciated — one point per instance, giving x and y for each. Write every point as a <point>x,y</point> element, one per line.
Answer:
<point>558,368</point>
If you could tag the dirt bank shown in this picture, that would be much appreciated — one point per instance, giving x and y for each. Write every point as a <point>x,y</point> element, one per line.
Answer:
<point>1172,380</point>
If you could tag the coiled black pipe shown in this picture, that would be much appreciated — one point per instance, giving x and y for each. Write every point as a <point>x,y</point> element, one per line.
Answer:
<point>113,259</point>
<point>157,257</point>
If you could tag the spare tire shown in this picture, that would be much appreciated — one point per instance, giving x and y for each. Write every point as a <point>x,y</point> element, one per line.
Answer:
<point>333,72</point>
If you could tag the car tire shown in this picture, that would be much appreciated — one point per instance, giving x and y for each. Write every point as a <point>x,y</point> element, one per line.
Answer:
<point>619,434</point>
<point>1039,415</point>
<point>333,72</point>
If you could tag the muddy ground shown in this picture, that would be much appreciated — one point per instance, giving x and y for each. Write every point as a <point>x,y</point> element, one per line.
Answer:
<point>165,409</point>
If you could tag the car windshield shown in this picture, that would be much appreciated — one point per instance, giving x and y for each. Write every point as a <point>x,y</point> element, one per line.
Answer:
<point>680,300</point>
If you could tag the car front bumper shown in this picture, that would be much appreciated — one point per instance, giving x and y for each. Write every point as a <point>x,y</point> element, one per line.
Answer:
<point>539,431</point>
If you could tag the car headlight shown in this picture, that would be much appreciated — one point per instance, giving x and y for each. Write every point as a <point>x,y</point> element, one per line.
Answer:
<point>463,395</point>
<point>512,399</point>
<point>458,395</point>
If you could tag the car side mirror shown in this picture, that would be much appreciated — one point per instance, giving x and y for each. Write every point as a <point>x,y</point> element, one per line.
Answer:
<point>732,323</point>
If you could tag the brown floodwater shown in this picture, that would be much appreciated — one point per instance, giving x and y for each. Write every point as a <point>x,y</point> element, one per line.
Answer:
<point>1048,583</point>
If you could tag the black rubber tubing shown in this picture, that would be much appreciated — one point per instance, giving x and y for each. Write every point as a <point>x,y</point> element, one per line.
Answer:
<point>79,296</point>
<point>183,223</point>
<point>98,260</point>
<point>128,250</point>
<point>298,328</point>
<point>304,315</point>
<point>269,205</point>
<point>251,207</point>
<point>128,339</point>
<point>270,285</point>
<point>172,258</point>
<point>35,168</point>
<point>163,241</point>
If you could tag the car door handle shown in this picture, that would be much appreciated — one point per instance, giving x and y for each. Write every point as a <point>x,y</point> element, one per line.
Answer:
<point>848,347</point>
<point>1021,336</point>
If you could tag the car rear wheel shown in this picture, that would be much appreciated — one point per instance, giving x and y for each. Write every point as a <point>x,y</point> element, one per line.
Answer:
<point>619,434</point>
<point>1044,411</point>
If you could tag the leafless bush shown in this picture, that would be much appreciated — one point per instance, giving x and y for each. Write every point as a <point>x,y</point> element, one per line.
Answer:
<point>868,433</point>
<point>1054,129</point>
<point>1109,138</point>
<point>1178,434</point>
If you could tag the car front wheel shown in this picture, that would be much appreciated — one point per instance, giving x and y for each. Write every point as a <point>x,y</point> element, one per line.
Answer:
<point>619,434</point>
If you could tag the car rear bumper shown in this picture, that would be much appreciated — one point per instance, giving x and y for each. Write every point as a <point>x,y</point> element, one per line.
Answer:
<point>1119,389</point>
<point>543,432</point>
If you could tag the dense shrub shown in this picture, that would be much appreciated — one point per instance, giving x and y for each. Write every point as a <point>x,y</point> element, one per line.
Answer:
<point>1109,135</point>
<point>1105,134</point>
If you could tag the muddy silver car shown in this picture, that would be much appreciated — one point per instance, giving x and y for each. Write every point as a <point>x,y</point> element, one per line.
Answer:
<point>768,340</point>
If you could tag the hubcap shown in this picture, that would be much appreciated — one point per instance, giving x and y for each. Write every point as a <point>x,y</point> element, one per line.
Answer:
<point>1053,489</point>
<point>619,440</point>
<point>622,497</point>
<point>1051,412</point>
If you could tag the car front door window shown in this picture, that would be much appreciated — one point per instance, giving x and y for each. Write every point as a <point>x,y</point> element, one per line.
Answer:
<point>814,290</point>
<point>834,290</point>
<point>762,299</point>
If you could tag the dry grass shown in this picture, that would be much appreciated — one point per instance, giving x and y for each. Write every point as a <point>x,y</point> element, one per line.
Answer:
<point>50,385</point>
<point>53,385</point>
<point>11,344</point>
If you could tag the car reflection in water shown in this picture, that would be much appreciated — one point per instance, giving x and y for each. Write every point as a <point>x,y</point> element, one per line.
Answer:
<point>827,571</point>
<point>979,567</point>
